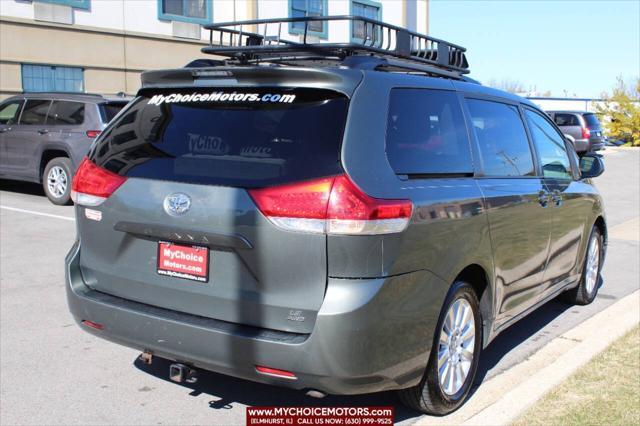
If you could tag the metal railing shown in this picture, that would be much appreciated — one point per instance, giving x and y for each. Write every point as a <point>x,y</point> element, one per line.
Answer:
<point>262,40</point>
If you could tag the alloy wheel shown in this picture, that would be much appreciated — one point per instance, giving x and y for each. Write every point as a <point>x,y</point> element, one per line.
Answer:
<point>456,347</point>
<point>57,181</point>
<point>593,265</point>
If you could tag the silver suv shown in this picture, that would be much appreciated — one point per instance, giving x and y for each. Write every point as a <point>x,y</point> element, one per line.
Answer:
<point>43,136</point>
<point>583,128</point>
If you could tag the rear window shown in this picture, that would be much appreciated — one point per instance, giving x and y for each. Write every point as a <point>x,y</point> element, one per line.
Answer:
<point>567,120</point>
<point>426,133</point>
<point>66,113</point>
<point>245,137</point>
<point>110,110</point>
<point>592,121</point>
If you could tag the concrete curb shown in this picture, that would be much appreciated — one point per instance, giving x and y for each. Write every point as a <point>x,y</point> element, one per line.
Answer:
<point>505,397</point>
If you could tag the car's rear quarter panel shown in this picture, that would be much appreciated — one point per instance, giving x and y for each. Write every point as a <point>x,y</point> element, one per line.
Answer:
<point>448,230</point>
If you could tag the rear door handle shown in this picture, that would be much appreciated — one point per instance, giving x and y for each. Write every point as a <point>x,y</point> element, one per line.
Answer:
<point>543,198</point>
<point>43,131</point>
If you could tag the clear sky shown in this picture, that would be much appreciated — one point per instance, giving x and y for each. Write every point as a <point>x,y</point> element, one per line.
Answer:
<point>556,45</point>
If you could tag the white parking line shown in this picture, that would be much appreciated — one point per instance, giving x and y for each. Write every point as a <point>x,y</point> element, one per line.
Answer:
<point>14,209</point>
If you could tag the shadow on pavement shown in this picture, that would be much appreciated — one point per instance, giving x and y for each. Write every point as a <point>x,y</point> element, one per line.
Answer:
<point>518,333</point>
<point>226,390</point>
<point>20,187</point>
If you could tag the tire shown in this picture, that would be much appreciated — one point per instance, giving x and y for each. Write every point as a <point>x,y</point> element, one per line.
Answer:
<point>431,395</point>
<point>587,289</point>
<point>56,181</point>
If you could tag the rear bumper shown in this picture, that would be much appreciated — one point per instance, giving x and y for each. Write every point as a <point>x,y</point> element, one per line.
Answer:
<point>587,145</point>
<point>581,145</point>
<point>370,335</point>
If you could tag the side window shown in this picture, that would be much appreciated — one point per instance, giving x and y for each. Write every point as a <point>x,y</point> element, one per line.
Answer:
<point>195,11</point>
<point>367,9</point>
<point>502,138</point>
<point>300,8</point>
<point>554,159</point>
<point>35,111</point>
<point>566,120</point>
<point>66,113</point>
<point>10,112</point>
<point>426,133</point>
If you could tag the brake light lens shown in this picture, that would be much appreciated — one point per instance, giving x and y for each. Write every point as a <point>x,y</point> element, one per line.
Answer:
<point>275,372</point>
<point>93,133</point>
<point>586,133</point>
<point>92,324</point>
<point>332,205</point>
<point>92,184</point>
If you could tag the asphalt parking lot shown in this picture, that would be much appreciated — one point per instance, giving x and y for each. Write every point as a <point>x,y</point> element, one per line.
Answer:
<point>52,372</point>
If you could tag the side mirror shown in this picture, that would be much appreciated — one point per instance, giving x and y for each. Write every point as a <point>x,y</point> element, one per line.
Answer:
<point>591,166</point>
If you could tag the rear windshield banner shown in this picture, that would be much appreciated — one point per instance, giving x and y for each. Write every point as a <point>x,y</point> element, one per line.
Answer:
<point>239,96</point>
<point>285,98</point>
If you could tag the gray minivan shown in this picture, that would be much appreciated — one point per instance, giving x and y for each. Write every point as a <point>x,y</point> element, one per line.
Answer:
<point>44,136</point>
<point>334,218</point>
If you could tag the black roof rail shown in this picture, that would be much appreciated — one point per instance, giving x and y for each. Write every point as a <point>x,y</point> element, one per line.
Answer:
<point>53,92</point>
<point>403,49</point>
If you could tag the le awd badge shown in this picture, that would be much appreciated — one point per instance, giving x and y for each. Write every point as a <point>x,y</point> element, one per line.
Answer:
<point>93,214</point>
<point>295,316</point>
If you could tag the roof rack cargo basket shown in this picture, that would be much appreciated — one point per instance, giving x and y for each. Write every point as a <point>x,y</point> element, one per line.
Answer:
<point>261,40</point>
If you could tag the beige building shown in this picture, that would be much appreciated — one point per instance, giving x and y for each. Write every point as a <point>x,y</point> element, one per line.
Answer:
<point>102,46</point>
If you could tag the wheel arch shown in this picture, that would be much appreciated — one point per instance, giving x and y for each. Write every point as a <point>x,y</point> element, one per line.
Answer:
<point>477,276</point>
<point>48,155</point>
<point>601,224</point>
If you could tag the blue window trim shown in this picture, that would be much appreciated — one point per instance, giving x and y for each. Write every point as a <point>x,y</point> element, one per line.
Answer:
<point>366,3</point>
<point>78,4</point>
<point>22,65</point>
<point>325,25</point>
<point>202,21</point>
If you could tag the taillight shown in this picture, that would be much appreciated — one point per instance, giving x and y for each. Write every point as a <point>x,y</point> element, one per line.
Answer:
<point>93,133</point>
<point>332,205</point>
<point>92,185</point>
<point>586,133</point>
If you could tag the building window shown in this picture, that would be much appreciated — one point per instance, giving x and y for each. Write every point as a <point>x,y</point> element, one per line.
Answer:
<point>78,4</point>
<point>366,9</point>
<point>302,8</point>
<point>47,78</point>
<point>194,11</point>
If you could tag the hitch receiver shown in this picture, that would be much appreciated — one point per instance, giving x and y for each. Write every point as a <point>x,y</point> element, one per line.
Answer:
<point>181,373</point>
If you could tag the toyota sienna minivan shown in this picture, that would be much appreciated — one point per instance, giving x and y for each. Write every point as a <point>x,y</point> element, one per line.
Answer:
<point>334,218</point>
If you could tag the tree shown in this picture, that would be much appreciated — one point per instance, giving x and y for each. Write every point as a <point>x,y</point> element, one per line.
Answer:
<point>511,86</point>
<point>620,112</point>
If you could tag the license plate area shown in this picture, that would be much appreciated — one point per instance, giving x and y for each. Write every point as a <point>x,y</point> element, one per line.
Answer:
<point>183,261</point>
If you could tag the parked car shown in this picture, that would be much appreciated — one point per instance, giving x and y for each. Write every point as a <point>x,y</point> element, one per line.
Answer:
<point>583,127</point>
<point>44,136</point>
<point>614,142</point>
<point>334,229</point>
